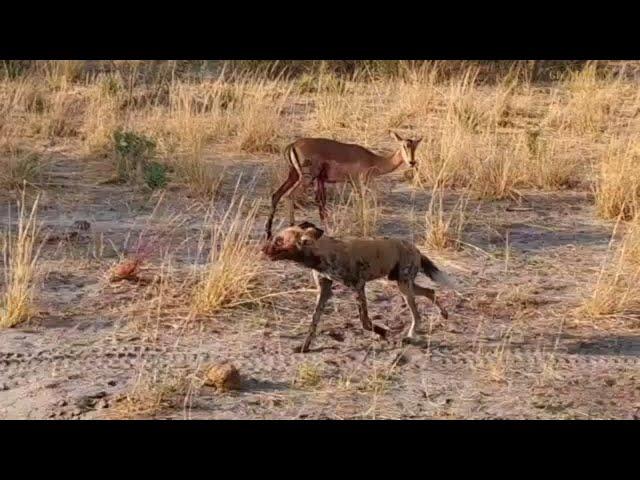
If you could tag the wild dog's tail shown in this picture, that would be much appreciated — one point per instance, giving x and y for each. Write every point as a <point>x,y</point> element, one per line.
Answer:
<point>435,274</point>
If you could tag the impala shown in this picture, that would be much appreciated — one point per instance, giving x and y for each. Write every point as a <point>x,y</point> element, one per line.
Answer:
<point>322,161</point>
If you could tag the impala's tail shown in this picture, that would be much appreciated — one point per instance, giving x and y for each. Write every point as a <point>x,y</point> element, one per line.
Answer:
<point>435,274</point>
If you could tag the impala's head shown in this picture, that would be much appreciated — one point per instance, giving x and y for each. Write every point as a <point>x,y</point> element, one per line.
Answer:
<point>408,148</point>
<point>288,243</point>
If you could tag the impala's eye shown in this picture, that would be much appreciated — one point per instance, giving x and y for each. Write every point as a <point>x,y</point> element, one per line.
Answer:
<point>278,241</point>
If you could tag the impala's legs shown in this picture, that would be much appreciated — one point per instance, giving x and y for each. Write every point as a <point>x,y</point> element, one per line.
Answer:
<point>321,199</point>
<point>289,185</point>
<point>321,194</point>
<point>292,208</point>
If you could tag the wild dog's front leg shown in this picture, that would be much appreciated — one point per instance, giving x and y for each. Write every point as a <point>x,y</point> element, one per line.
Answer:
<point>324,293</point>
<point>364,315</point>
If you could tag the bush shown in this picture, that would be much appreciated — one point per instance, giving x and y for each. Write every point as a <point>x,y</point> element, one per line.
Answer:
<point>132,151</point>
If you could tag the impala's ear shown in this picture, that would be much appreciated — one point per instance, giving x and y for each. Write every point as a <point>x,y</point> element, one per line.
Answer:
<point>418,141</point>
<point>395,136</point>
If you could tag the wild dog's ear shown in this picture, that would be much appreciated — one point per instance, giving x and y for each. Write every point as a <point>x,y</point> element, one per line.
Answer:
<point>317,232</point>
<point>305,225</point>
<point>312,232</point>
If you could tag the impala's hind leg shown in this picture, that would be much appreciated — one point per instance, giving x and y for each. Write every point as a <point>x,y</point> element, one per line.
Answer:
<point>292,208</point>
<point>321,195</point>
<point>290,184</point>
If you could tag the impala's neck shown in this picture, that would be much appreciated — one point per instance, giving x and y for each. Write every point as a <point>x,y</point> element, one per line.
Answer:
<point>389,163</point>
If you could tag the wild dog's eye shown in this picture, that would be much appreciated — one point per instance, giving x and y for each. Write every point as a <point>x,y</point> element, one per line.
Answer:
<point>305,241</point>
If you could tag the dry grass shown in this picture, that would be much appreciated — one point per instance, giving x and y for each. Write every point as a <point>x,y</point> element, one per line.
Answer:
<point>20,254</point>
<point>232,266</point>
<point>617,191</point>
<point>152,394</point>
<point>593,98</point>
<point>444,231</point>
<point>632,241</point>
<point>615,292</point>
<point>308,376</point>
<point>18,168</point>
<point>498,170</point>
<point>355,210</point>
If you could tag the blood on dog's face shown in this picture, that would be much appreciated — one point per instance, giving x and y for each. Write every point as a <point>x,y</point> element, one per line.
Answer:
<point>288,243</point>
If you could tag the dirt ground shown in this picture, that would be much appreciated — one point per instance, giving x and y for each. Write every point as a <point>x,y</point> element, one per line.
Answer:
<point>510,349</point>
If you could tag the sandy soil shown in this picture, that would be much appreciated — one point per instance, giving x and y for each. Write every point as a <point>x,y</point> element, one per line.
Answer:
<point>510,349</point>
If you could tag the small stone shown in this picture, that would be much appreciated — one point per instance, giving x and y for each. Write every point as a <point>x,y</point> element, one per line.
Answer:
<point>112,383</point>
<point>223,377</point>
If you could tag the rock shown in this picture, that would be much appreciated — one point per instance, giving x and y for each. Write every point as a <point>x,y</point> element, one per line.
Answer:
<point>112,383</point>
<point>224,377</point>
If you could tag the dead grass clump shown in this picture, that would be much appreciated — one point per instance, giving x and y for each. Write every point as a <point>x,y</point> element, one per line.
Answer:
<point>632,239</point>
<point>617,190</point>
<point>497,171</point>
<point>259,123</point>
<point>152,394</point>
<point>18,168</point>
<point>542,166</point>
<point>447,158</point>
<point>308,376</point>
<point>355,210</point>
<point>20,255</point>
<point>101,119</point>
<point>444,231</point>
<point>60,74</point>
<point>63,118</point>
<point>413,98</point>
<point>593,97</point>
<point>232,267</point>
<point>616,292</point>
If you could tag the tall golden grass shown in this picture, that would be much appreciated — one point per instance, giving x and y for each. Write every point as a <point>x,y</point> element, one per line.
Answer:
<point>232,267</point>
<point>20,252</point>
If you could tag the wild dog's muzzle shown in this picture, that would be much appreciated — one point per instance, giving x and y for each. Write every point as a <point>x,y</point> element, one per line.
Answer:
<point>274,252</point>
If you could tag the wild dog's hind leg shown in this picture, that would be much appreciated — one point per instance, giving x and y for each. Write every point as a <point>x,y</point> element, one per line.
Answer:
<point>406,288</point>
<point>364,315</point>
<point>431,295</point>
<point>324,293</point>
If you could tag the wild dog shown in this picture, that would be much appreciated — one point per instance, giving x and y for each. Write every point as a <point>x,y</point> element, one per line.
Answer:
<point>354,262</point>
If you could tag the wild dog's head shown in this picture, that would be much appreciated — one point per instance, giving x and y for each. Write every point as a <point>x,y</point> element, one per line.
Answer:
<point>288,244</point>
